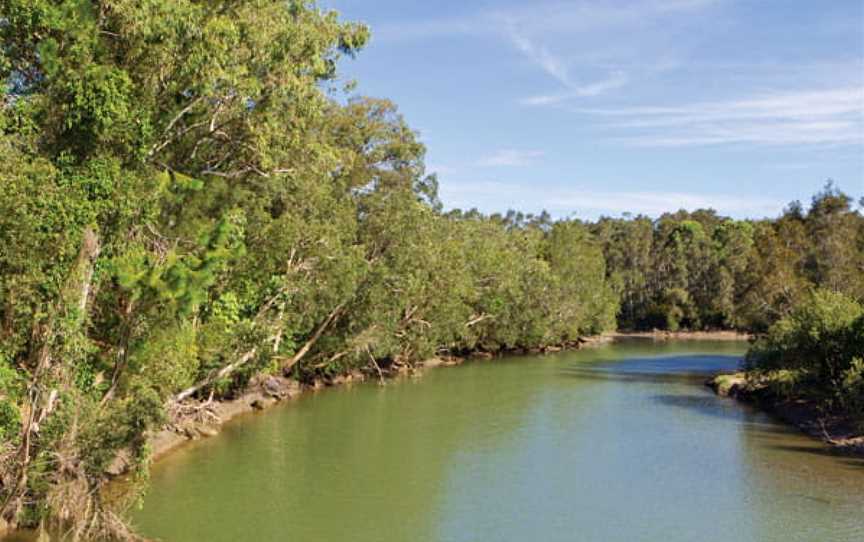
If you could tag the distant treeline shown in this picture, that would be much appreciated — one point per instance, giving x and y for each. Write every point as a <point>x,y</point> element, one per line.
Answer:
<point>702,271</point>
<point>185,204</point>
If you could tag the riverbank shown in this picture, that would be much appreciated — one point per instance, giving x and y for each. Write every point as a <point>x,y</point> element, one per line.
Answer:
<point>837,432</point>
<point>589,431</point>
<point>659,335</point>
<point>194,420</point>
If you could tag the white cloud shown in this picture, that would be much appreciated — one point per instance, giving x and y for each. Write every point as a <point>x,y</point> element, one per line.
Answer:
<point>588,26</point>
<point>833,116</point>
<point>615,80</point>
<point>556,67</point>
<point>491,196</point>
<point>541,56</point>
<point>796,105</point>
<point>590,49</point>
<point>511,158</point>
<point>553,33</point>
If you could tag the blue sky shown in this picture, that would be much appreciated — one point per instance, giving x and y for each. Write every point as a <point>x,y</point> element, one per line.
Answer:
<point>601,107</point>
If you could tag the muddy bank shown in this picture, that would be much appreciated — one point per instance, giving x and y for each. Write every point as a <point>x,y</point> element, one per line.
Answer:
<point>194,420</point>
<point>835,431</point>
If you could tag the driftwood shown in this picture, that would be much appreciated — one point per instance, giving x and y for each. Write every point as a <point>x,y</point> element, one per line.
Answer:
<point>375,364</point>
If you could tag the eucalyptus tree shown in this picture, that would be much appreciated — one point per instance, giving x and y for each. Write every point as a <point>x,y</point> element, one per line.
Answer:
<point>145,140</point>
<point>586,302</point>
<point>835,259</point>
<point>186,204</point>
<point>629,252</point>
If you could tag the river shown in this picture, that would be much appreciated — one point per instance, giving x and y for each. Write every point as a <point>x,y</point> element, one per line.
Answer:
<point>618,443</point>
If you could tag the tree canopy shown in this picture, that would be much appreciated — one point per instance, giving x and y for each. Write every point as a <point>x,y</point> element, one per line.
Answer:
<point>188,202</point>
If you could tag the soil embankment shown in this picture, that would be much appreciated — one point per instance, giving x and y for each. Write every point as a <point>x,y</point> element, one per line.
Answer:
<point>836,431</point>
<point>659,335</point>
<point>193,420</point>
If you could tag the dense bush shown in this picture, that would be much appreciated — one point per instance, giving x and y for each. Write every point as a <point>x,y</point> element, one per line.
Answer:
<point>822,341</point>
<point>187,202</point>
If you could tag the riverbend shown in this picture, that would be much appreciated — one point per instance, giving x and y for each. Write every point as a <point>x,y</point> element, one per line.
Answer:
<point>621,442</point>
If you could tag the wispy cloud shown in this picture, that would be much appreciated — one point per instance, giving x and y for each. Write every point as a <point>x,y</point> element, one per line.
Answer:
<point>541,56</point>
<point>833,116</point>
<point>530,31</point>
<point>491,195</point>
<point>511,158</point>
<point>681,5</point>
<point>556,67</point>
<point>553,33</point>
<point>615,80</point>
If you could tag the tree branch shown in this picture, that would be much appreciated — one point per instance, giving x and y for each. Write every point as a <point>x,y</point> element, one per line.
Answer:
<point>311,342</point>
<point>215,377</point>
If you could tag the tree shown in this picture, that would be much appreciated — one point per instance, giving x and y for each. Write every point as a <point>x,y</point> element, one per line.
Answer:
<point>149,142</point>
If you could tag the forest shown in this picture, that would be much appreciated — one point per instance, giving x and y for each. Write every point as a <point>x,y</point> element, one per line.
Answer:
<point>190,199</point>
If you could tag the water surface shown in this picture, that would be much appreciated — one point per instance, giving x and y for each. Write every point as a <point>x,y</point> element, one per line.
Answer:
<point>621,443</point>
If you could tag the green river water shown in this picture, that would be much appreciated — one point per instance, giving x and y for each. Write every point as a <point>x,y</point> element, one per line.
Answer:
<point>618,443</point>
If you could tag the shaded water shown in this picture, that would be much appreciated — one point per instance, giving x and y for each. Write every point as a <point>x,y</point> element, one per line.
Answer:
<point>621,443</point>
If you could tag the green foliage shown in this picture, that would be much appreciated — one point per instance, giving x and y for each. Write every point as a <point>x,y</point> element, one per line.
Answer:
<point>852,389</point>
<point>821,339</point>
<point>812,336</point>
<point>167,358</point>
<point>181,190</point>
<point>588,302</point>
<point>10,395</point>
<point>702,271</point>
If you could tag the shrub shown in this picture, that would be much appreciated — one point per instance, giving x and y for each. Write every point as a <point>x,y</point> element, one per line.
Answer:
<point>823,340</point>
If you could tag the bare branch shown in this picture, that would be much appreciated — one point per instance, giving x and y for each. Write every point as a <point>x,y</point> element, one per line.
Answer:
<point>216,376</point>
<point>332,317</point>
<point>156,148</point>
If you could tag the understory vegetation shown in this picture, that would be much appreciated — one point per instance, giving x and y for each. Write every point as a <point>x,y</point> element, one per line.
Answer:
<point>188,200</point>
<point>816,353</point>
